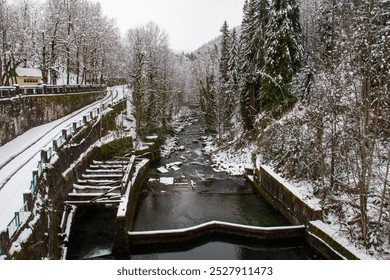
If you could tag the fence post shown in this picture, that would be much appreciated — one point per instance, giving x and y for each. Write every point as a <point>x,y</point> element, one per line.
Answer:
<point>44,156</point>
<point>55,146</point>
<point>65,134</point>
<point>4,241</point>
<point>28,201</point>
<point>35,181</point>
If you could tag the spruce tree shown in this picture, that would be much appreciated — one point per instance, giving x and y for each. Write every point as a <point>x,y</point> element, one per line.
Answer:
<point>207,103</point>
<point>225,95</point>
<point>234,67</point>
<point>256,14</point>
<point>283,54</point>
<point>224,54</point>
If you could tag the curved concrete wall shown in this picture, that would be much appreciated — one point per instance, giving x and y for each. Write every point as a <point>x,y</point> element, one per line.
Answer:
<point>216,227</point>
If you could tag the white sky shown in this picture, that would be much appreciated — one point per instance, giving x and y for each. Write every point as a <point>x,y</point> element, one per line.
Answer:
<point>189,23</point>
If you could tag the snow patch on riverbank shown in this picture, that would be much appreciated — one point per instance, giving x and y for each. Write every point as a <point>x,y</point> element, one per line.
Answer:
<point>228,158</point>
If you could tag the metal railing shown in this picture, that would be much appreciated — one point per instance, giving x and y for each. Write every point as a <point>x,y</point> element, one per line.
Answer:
<point>34,184</point>
<point>14,91</point>
<point>18,219</point>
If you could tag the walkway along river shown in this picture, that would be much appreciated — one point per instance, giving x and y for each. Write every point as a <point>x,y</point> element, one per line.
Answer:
<point>186,194</point>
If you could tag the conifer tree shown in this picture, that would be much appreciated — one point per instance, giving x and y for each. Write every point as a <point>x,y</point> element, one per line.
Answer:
<point>207,102</point>
<point>234,67</point>
<point>283,54</point>
<point>256,13</point>
<point>225,97</point>
<point>224,54</point>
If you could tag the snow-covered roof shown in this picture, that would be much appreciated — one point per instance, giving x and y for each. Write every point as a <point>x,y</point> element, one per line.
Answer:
<point>28,72</point>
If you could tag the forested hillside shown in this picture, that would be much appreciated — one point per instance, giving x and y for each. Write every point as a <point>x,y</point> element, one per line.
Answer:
<point>309,82</point>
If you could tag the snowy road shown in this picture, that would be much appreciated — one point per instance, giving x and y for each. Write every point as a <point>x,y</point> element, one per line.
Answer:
<point>20,157</point>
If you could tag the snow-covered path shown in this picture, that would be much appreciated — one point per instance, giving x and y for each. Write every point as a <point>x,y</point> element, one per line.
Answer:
<point>20,157</point>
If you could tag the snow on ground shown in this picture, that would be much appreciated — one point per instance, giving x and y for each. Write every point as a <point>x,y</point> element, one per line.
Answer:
<point>179,122</point>
<point>228,158</point>
<point>334,231</point>
<point>302,190</point>
<point>170,145</point>
<point>19,158</point>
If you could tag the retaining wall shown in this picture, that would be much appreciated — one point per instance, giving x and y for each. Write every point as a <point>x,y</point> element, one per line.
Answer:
<point>18,115</point>
<point>126,210</point>
<point>329,247</point>
<point>282,198</point>
<point>280,195</point>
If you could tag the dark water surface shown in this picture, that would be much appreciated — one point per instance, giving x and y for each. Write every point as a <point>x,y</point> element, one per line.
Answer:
<point>212,197</point>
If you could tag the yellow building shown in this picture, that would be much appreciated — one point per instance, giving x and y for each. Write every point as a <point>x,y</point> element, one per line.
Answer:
<point>28,77</point>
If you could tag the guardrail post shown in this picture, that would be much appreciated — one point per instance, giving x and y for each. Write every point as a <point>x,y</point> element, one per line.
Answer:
<point>85,119</point>
<point>91,115</point>
<point>28,201</point>
<point>75,126</point>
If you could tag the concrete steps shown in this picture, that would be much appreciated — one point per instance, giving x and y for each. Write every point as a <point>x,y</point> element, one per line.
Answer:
<point>101,183</point>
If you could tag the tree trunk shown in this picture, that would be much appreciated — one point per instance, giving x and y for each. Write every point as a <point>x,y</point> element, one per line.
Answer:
<point>78,65</point>
<point>1,72</point>
<point>384,191</point>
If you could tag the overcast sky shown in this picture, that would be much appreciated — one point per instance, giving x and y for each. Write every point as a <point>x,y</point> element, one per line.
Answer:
<point>189,23</point>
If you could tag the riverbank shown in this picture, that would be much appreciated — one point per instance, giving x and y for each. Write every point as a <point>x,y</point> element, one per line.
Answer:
<point>240,155</point>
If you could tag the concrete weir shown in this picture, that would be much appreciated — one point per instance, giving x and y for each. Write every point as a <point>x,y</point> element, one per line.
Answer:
<point>165,237</point>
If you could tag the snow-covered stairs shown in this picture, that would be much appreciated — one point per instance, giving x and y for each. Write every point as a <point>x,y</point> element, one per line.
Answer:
<point>100,184</point>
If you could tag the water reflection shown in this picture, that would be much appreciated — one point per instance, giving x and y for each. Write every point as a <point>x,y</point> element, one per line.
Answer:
<point>220,250</point>
<point>158,212</point>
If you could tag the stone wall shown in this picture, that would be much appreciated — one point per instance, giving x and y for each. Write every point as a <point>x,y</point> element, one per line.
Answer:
<point>19,115</point>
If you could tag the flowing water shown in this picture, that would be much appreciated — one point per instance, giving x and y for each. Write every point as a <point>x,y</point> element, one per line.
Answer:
<point>199,195</point>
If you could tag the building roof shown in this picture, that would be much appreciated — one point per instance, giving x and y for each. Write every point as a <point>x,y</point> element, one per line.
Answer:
<point>28,72</point>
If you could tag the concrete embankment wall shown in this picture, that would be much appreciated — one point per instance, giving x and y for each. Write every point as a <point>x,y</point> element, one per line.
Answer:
<point>126,210</point>
<point>282,198</point>
<point>329,247</point>
<point>19,115</point>
<point>280,195</point>
<point>150,153</point>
